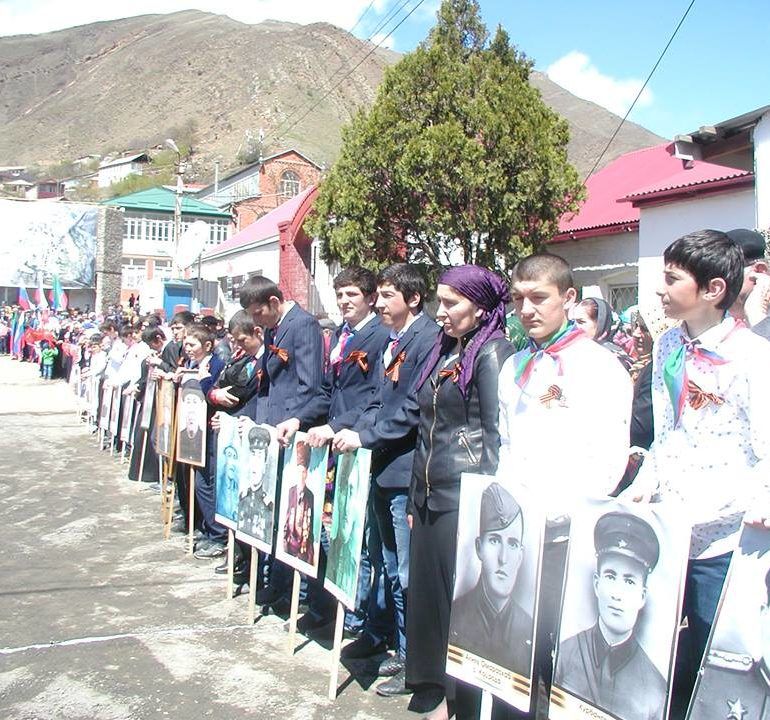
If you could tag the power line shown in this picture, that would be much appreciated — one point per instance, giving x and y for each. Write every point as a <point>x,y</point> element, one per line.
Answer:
<point>361,17</point>
<point>393,12</point>
<point>639,94</point>
<point>284,130</point>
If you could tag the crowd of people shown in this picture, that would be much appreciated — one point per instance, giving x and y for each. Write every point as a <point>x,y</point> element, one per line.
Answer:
<point>564,396</point>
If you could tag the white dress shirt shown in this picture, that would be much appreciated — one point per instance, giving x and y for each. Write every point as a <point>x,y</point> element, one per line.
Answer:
<point>334,355</point>
<point>714,460</point>
<point>130,371</point>
<point>570,448</point>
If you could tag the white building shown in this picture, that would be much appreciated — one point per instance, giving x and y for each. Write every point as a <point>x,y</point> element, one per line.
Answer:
<point>112,171</point>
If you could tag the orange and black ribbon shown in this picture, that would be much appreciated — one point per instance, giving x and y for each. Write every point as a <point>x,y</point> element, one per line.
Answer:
<point>453,373</point>
<point>554,393</point>
<point>699,398</point>
<point>282,354</point>
<point>359,357</point>
<point>394,370</point>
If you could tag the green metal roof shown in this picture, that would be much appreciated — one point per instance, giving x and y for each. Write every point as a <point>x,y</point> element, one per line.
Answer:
<point>160,199</point>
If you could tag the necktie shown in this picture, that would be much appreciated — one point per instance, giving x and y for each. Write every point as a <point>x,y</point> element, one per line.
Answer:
<point>569,335</point>
<point>339,351</point>
<point>390,351</point>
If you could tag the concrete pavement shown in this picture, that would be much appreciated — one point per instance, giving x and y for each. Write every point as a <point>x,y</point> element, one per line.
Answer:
<point>100,619</point>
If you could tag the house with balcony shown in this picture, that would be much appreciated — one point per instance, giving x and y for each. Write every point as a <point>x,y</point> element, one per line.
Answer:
<point>149,241</point>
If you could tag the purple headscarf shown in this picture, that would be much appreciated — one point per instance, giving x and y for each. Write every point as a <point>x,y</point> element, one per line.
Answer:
<point>490,293</point>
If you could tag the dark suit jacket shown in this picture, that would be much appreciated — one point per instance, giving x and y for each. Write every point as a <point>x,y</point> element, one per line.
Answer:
<point>347,388</point>
<point>289,388</point>
<point>389,426</point>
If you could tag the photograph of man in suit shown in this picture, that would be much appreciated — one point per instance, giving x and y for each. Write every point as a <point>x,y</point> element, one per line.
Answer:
<point>605,665</point>
<point>255,509</point>
<point>734,685</point>
<point>298,524</point>
<point>164,417</point>
<point>348,515</point>
<point>488,620</point>
<point>193,419</point>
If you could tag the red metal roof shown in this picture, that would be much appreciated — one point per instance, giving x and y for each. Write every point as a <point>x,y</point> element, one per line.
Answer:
<point>685,180</point>
<point>264,228</point>
<point>607,208</point>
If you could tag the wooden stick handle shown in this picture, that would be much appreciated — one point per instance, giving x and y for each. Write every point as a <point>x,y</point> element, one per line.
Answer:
<point>253,585</point>
<point>230,563</point>
<point>294,610</point>
<point>336,649</point>
<point>191,513</point>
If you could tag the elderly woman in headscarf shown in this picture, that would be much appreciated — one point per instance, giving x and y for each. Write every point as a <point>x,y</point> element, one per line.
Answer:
<point>458,432</point>
<point>594,317</point>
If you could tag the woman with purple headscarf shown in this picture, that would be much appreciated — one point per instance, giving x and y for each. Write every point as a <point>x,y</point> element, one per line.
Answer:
<point>457,395</point>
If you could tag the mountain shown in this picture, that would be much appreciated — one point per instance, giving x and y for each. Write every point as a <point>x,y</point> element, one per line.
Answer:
<point>131,83</point>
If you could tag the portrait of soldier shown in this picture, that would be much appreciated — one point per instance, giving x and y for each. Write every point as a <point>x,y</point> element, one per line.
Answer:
<point>605,665</point>
<point>345,544</point>
<point>255,507</point>
<point>735,686</point>
<point>164,418</point>
<point>227,482</point>
<point>192,419</point>
<point>298,523</point>
<point>488,621</point>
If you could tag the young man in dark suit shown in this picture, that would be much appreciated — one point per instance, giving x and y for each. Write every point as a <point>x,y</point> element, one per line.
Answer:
<point>389,429</point>
<point>350,385</point>
<point>291,378</point>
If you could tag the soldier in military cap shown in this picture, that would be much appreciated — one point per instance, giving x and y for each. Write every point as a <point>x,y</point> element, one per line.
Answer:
<point>255,508</point>
<point>605,665</point>
<point>735,686</point>
<point>487,620</point>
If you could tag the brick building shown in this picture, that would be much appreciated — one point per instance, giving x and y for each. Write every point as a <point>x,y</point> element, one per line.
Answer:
<point>256,189</point>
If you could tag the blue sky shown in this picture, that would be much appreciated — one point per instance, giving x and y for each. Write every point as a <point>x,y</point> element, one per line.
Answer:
<point>599,49</point>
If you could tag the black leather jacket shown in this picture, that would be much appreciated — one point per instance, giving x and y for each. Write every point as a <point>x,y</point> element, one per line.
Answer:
<point>457,434</point>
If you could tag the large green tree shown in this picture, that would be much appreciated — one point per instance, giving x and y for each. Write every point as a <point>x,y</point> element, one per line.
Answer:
<point>458,160</point>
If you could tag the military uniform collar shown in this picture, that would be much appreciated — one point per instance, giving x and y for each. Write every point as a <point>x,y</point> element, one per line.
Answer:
<point>617,656</point>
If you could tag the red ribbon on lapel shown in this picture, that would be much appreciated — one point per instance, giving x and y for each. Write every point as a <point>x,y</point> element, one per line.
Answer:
<point>454,373</point>
<point>394,370</point>
<point>358,357</point>
<point>282,354</point>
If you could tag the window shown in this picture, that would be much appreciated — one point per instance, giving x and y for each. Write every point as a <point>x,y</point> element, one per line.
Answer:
<point>289,185</point>
<point>133,273</point>
<point>163,270</point>
<point>623,297</point>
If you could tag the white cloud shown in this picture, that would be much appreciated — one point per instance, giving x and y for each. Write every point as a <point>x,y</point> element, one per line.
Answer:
<point>38,16</point>
<point>575,72</point>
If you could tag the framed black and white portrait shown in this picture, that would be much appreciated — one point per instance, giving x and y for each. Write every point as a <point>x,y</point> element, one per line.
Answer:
<point>191,423</point>
<point>148,404</point>
<point>620,611</point>
<point>258,478</point>
<point>164,418</point>
<point>734,680</point>
<point>494,606</point>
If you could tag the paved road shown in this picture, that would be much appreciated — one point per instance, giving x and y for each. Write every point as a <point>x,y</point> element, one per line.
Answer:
<point>100,619</point>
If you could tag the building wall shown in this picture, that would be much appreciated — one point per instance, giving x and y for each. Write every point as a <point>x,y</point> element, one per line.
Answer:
<point>109,251</point>
<point>241,264</point>
<point>660,225</point>
<point>602,265</point>
<point>116,173</point>
<point>762,171</point>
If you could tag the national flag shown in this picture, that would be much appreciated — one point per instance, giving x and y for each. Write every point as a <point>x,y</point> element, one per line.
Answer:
<point>58,296</point>
<point>17,332</point>
<point>24,302</point>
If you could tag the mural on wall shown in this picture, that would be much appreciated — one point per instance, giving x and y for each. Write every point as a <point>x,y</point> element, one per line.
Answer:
<point>48,239</point>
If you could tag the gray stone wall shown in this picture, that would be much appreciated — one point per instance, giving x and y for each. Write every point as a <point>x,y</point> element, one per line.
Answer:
<point>109,258</point>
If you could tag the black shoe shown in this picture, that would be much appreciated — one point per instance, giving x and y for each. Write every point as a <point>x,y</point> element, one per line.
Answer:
<point>364,647</point>
<point>309,623</point>
<point>395,686</point>
<point>391,666</point>
<point>349,633</point>
<point>212,550</point>
<point>269,596</point>
<point>239,568</point>
<point>221,569</point>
